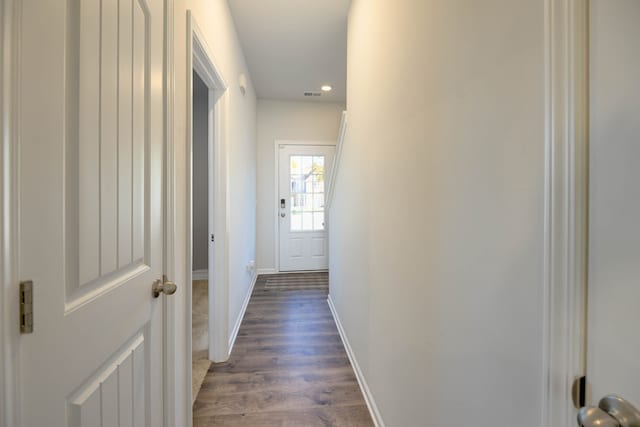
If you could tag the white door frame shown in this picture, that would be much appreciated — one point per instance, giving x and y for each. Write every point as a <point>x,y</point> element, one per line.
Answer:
<point>566,210</point>
<point>169,306</point>
<point>201,59</point>
<point>9,214</point>
<point>276,203</point>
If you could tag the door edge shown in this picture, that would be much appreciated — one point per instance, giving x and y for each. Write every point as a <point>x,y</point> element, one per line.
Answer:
<point>565,215</point>
<point>10,17</point>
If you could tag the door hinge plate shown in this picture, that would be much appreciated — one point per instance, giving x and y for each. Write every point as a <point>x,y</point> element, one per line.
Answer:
<point>579,392</point>
<point>26,307</point>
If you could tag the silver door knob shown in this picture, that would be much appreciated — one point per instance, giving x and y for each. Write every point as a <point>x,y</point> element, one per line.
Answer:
<point>163,286</point>
<point>283,215</point>
<point>595,417</point>
<point>612,411</point>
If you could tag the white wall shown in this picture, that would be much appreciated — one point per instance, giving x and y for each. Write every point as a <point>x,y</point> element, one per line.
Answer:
<point>200,174</point>
<point>285,120</point>
<point>218,28</point>
<point>437,219</point>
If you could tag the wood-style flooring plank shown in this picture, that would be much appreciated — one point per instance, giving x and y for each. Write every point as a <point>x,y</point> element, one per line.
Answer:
<point>329,416</point>
<point>288,366</point>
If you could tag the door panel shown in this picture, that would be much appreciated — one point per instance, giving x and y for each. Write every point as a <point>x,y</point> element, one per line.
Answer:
<point>318,247</point>
<point>109,399</point>
<point>613,347</point>
<point>301,182</point>
<point>106,158</point>
<point>91,148</point>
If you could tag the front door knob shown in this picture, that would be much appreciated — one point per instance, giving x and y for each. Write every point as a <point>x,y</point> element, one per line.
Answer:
<point>163,286</point>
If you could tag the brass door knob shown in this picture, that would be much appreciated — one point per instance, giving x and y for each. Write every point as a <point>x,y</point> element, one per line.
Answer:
<point>163,286</point>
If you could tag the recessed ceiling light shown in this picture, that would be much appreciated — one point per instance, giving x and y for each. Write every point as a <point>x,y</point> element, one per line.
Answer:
<point>326,88</point>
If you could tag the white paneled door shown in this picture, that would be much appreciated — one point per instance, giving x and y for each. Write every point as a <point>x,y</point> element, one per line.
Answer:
<point>302,174</point>
<point>91,156</point>
<point>613,338</point>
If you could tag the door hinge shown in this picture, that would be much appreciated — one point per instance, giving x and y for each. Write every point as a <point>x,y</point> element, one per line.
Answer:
<point>26,307</point>
<point>213,239</point>
<point>579,392</point>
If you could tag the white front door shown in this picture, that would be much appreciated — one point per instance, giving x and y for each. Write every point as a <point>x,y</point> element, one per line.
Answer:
<point>91,157</point>
<point>613,338</point>
<point>302,174</point>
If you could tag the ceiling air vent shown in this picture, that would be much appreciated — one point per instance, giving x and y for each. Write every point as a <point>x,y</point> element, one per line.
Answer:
<point>312,94</point>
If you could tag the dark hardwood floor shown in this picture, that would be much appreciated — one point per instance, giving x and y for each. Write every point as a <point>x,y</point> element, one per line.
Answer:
<point>288,366</point>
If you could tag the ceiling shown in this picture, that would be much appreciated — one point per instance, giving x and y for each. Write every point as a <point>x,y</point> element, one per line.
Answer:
<point>294,46</point>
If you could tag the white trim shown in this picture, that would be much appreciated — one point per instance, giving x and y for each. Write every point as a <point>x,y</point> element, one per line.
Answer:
<point>566,191</point>
<point>336,159</point>
<point>200,59</point>
<point>368,397</point>
<point>276,180</point>
<point>10,15</point>
<point>200,275</point>
<point>243,309</point>
<point>276,156</point>
<point>271,271</point>
<point>302,142</point>
<point>267,271</point>
<point>172,373</point>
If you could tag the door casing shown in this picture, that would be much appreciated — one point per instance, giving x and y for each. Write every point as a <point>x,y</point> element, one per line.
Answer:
<point>201,60</point>
<point>199,57</point>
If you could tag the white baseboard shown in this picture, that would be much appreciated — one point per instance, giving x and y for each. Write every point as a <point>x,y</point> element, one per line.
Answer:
<point>368,397</point>
<point>274,271</point>
<point>200,275</point>
<point>245,303</point>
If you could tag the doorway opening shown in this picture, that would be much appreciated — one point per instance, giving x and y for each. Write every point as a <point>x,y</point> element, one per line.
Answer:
<point>207,194</point>
<point>201,235</point>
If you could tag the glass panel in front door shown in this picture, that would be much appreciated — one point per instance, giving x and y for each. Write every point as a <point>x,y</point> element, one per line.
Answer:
<point>306,207</point>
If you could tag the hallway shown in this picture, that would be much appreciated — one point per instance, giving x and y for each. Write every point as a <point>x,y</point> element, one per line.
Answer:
<point>288,366</point>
